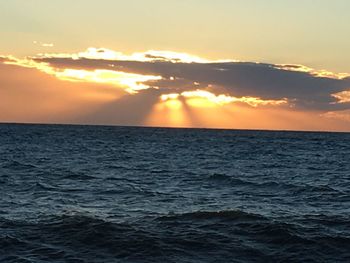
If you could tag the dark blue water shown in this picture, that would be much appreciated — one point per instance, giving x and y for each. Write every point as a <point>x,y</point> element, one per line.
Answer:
<point>121,194</point>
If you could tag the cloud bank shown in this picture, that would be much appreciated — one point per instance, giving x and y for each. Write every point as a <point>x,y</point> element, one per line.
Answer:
<point>302,87</point>
<point>162,88</point>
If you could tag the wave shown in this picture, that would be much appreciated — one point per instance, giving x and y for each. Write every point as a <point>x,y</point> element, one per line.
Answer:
<point>16,165</point>
<point>78,176</point>
<point>227,180</point>
<point>232,181</point>
<point>208,215</point>
<point>186,237</point>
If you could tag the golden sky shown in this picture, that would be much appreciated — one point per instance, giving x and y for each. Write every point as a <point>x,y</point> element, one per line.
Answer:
<point>228,64</point>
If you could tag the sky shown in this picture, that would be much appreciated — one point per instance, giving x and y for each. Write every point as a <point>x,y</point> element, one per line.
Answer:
<point>244,64</point>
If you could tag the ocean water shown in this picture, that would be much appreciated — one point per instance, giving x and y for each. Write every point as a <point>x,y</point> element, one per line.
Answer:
<point>128,194</point>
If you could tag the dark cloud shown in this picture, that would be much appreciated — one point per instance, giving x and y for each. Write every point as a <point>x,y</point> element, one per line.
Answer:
<point>263,80</point>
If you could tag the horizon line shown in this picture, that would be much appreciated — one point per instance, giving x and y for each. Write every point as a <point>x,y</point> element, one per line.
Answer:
<point>168,127</point>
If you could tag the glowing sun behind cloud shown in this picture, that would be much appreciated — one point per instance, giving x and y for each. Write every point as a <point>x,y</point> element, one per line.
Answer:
<point>200,108</point>
<point>164,88</point>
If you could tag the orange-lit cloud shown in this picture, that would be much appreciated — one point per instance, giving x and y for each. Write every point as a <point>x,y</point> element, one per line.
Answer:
<point>129,81</point>
<point>313,72</point>
<point>342,97</point>
<point>108,54</point>
<point>248,82</point>
<point>203,98</point>
<point>43,44</point>
<point>164,88</point>
<point>338,115</point>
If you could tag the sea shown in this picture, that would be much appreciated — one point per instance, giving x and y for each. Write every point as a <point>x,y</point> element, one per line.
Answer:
<point>71,193</point>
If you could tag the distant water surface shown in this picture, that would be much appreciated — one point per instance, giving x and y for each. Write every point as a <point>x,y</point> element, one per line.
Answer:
<point>128,194</point>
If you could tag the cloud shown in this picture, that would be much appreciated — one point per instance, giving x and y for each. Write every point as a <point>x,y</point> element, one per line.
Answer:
<point>185,93</point>
<point>201,97</point>
<point>302,87</point>
<point>338,115</point>
<point>43,44</point>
